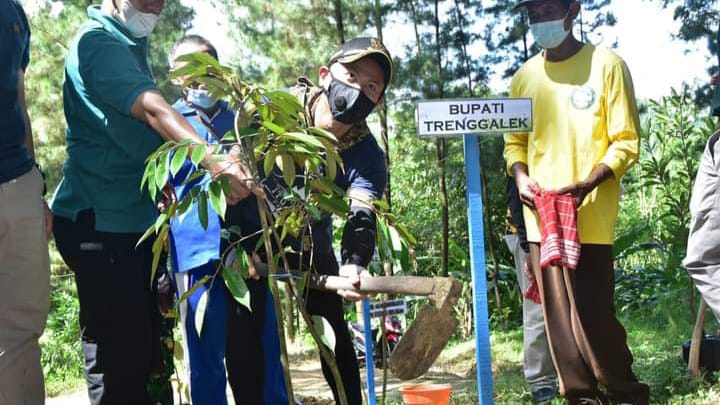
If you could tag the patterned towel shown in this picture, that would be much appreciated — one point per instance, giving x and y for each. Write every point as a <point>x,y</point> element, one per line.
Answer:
<point>559,243</point>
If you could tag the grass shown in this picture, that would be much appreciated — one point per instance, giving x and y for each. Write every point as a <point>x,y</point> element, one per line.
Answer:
<point>655,336</point>
<point>61,350</point>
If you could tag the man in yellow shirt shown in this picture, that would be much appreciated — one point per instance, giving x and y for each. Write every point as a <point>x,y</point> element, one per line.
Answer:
<point>585,136</point>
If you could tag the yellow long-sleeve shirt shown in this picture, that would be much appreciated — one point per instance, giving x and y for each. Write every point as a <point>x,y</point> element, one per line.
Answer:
<point>584,114</point>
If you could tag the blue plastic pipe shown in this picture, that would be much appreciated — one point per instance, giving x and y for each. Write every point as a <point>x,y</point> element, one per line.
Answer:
<point>369,353</point>
<point>477,260</point>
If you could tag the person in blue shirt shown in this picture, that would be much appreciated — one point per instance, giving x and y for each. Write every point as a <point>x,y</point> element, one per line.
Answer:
<point>115,118</point>
<point>359,70</point>
<point>24,261</point>
<point>253,366</point>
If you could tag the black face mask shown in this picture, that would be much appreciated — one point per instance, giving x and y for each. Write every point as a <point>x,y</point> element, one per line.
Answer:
<point>348,104</point>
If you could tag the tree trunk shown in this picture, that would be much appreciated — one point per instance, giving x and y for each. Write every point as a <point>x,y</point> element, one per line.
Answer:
<point>290,314</point>
<point>382,112</point>
<point>463,47</point>
<point>441,156</point>
<point>440,146</point>
<point>490,243</point>
<point>413,12</point>
<point>339,21</point>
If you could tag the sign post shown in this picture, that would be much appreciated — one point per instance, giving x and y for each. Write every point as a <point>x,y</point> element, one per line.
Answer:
<point>466,117</point>
<point>369,353</point>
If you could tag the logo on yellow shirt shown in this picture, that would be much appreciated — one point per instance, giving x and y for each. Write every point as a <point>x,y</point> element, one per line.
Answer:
<point>583,97</point>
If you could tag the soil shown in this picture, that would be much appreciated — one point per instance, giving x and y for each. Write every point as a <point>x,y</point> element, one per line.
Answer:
<point>455,366</point>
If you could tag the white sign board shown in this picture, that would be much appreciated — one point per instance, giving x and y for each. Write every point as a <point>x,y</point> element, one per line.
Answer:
<point>449,117</point>
<point>385,308</point>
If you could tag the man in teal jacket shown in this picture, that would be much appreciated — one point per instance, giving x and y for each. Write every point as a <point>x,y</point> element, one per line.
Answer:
<point>116,117</point>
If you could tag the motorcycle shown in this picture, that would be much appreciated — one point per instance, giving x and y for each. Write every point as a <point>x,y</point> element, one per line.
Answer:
<point>393,333</point>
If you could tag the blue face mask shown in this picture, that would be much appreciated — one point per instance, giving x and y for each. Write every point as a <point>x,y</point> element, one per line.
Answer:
<point>200,98</point>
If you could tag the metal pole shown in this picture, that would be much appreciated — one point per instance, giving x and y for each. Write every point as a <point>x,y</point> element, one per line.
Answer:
<point>477,260</point>
<point>369,352</point>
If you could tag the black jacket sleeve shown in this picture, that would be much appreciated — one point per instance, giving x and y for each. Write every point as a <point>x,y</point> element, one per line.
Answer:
<point>358,241</point>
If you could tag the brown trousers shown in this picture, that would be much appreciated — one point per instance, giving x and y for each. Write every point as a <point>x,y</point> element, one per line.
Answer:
<point>587,342</point>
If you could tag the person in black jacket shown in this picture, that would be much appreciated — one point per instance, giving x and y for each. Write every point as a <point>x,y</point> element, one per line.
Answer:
<point>351,85</point>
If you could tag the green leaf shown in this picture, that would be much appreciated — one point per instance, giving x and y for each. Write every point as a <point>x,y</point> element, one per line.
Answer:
<point>335,205</point>
<point>395,241</point>
<point>332,158</point>
<point>160,220</point>
<point>184,205</point>
<point>162,172</point>
<point>288,170</point>
<point>199,59</point>
<point>178,353</point>
<point>383,239</point>
<point>285,100</point>
<point>203,209</point>
<point>273,127</point>
<point>269,161</point>
<point>381,205</point>
<point>224,184</point>
<point>321,186</point>
<point>149,173</point>
<point>150,231</point>
<point>405,234</point>
<point>235,281</point>
<point>325,330</point>
<point>157,249</point>
<point>200,311</point>
<point>322,133</point>
<point>304,138</point>
<point>331,166</point>
<point>405,259</point>
<point>217,199</point>
<point>198,154</point>
<point>178,159</point>
<point>193,289</point>
<point>302,282</point>
<point>196,174</point>
<point>229,137</point>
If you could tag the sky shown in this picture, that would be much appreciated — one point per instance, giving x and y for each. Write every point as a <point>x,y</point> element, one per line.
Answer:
<point>643,32</point>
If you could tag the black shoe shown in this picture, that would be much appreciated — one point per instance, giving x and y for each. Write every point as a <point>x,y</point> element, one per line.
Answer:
<point>598,399</point>
<point>543,395</point>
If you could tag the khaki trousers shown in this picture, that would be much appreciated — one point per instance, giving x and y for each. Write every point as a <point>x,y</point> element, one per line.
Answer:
<point>24,289</point>
<point>587,342</point>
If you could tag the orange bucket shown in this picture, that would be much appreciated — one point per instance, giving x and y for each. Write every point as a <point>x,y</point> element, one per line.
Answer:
<point>426,394</point>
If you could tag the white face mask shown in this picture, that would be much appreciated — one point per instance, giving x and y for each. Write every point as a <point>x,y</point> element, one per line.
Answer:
<point>138,23</point>
<point>550,34</point>
<point>200,98</point>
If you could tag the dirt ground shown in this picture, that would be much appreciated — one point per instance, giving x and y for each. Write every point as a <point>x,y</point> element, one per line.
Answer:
<point>455,367</point>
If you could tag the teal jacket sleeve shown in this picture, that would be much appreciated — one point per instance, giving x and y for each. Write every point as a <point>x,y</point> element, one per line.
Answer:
<point>110,71</point>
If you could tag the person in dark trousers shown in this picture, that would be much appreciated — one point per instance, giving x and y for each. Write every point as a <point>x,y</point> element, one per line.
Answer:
<point>352,84</point>
<point>537,362</point>
<point>24,224</point>
<point>253,361</point>
<point>115,118</point>
<point>585,136</point>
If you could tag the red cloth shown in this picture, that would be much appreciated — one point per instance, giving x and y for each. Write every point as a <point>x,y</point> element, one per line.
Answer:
<point>559,243</point>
